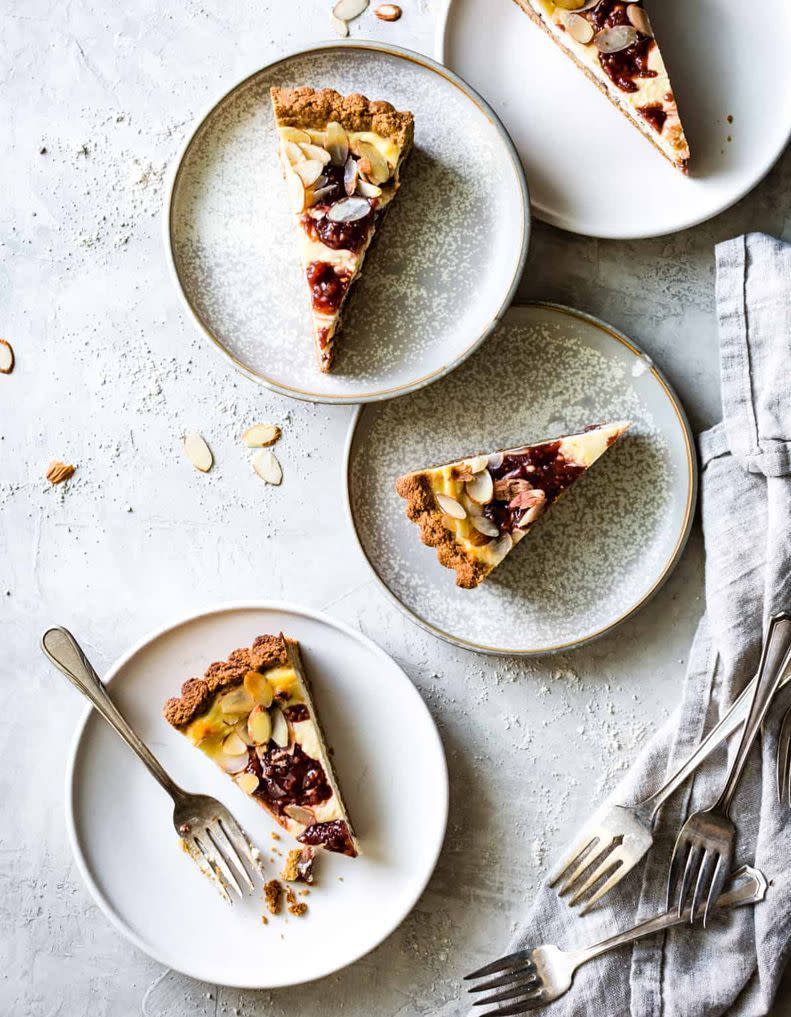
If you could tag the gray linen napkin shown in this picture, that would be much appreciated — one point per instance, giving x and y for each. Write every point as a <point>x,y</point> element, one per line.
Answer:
<point>735,966</point>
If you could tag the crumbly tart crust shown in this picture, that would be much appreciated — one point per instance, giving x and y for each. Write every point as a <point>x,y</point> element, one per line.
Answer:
<point>475,511</point>
<point>341,157</point>
<point>654,111</point>
<point>254,715</point>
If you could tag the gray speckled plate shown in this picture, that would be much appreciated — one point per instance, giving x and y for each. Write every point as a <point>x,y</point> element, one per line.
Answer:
<point>601,552</point>
<point>447,259</point>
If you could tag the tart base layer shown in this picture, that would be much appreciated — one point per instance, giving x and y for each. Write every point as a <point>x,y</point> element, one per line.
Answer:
<point>475,511</point>
<point>253,714</point>
<point>342,158</point>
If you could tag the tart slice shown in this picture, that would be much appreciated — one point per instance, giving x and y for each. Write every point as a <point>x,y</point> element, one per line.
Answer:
<point>614,44</point>
<point>476,510</point>
<point>342,158</point>
<point>253,714</point>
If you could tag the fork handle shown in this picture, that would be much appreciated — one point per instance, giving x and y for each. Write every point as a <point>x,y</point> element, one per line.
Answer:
<point>774,659</point>
<point>65,653</point>
<point>745,886</point>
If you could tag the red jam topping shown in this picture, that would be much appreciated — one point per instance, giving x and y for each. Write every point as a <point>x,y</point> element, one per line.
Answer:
<point>288,777</point>
<point>544,468</point>
<point>327,286</point>
<point>296,712</point>
<point>334,836</point>
<point>340,236</point>
<point>655,114</point>
<point>630,63</point>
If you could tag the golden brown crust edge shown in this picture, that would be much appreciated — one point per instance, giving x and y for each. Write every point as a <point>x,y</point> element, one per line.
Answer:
<point>422,509</point>
<point>197,693</point>
<point>308,107</point>
<point>647,133</point>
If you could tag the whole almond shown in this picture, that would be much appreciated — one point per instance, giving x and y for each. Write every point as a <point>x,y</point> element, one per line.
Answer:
<point>6,357</point>
<point>57,472</point>
<point>388,12</point>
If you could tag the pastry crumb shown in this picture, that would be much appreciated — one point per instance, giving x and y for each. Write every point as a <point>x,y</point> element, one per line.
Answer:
<point>294,906</point>
<point>272,894</point>
<point>264,920</point>
<point>298,867</point>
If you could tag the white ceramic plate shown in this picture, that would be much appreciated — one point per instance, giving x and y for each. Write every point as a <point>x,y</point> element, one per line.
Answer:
<point>446,263</point>
<point>125,845</point>
<point>589,170</point>
<point>601,551</point>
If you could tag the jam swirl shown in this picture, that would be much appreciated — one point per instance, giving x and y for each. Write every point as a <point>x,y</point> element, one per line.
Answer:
<point>655,114</point>
<point>334,836</point>
<point>327,286</point>
<point>288,777</point>
<point>544,468</point>
<point>630,63</point>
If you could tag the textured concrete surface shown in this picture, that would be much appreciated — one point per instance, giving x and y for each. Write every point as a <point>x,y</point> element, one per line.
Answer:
<point>96,100</point>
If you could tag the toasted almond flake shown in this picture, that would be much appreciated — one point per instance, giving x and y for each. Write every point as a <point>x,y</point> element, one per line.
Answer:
<point>279,728</point>
<point>495,460</point>
<point>388,12</point>
<point>481,487</point>
<point>233,745</point>
<point>297,195</point>
<point>367,189</point>
<point>300,814</point>
<point>639,18</point>
<point>615,39</point>
<point>372,163</point>
<point>477,463</point>
<point>336,141</point>
<point>485,526</point>
<point>267,467</point>
<point>349,210</point>
<point>350,176</point>
<point>340,26</point>
<point>248,782</point>
<point>348,10</point>
<point>500,548</point>
<point>315,152</point>
<point>233,764</point>
<point>294,134</point>
<point>317,195</point>
<point>6,357</point>
<point>57,472</point>
<point>259,688</point>
<point>471,507</point>
<point>236,702</point>
<point>309,171</point>
<point>259,725</point>
<point>198,452</point>
<point>451,507</point>
<point>579,28</point>
<point>293,153</point>
<point>241,729</point>
<point>261,435</point>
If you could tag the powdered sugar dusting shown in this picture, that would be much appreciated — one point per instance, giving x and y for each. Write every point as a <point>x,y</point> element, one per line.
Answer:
<point>599,551</point>
<point>442,264</point>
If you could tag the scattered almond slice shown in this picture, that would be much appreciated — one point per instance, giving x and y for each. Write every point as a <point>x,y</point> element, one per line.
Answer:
<point>198,452</point>
<point>6,357</point>
<point>388,12</point>
<point>348,10</point>
<point>57,472</point>
<point>267,467</point>
<point>261,435</point>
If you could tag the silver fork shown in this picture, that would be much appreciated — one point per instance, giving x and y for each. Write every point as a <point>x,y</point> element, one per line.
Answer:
<point>784,760</point>
<point>616,837</point>
<point>211,836</point>
<point>539,976</point>
<point>703,853</point>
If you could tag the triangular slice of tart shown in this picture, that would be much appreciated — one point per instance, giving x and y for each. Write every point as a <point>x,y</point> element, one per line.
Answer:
<point>253,714</point>
<point>342,157</point>
<point>614,44</point>
<point>476,510</point>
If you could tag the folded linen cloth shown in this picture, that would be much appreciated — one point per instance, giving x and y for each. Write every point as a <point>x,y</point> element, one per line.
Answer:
<point>735,966</point>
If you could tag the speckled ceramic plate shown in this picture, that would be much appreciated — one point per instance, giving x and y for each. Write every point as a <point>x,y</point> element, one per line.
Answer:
<point>601,552</point>
<point>589,170</point>
<point>120,820</point>
<point>447,259</point>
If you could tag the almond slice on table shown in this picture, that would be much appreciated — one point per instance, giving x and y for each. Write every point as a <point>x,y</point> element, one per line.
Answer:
<point>340,26</point>
<point>267,467</point>
<point>198,452</point>
<point>348,10</point>
<point>6,357</point>
<point>388,12</point>
<point>57,472</point>
<point>261,435</point>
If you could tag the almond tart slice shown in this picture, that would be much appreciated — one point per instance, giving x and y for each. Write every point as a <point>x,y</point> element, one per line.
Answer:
<point>253,714</point>
<point>342,157</point>
<point>476,510</point>
<point>614,44</point>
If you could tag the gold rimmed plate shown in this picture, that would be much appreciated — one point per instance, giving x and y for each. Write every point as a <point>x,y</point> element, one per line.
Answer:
<point>601,552</point>
<point>447,258</point>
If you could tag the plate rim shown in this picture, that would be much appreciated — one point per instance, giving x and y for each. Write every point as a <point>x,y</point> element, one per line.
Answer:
<point>104,904</point>
<point>563,223</point>
<point>307,395</point>
<point>663,575</point>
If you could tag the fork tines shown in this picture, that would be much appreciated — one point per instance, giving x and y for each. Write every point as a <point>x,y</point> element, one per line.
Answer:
<point>521,981</point>
<point>591,864</point>
<point>217,848</point>
<point>784,760</point>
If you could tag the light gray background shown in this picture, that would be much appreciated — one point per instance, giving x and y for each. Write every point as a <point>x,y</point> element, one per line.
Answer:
<point>110,373</point>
